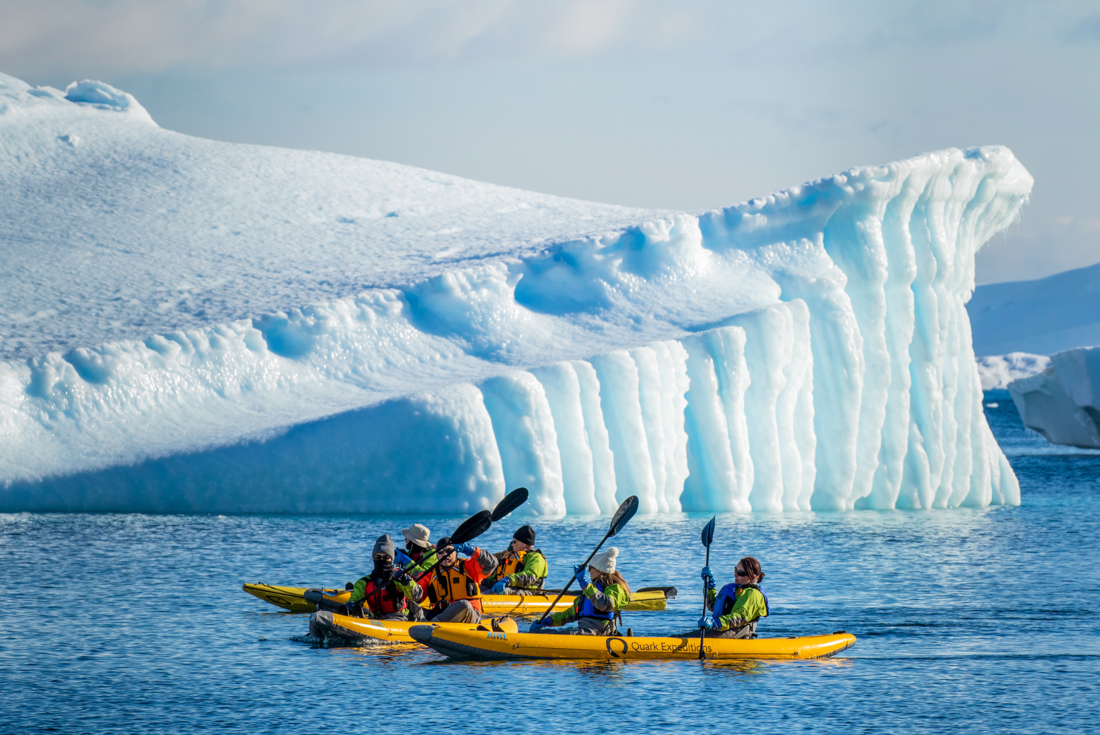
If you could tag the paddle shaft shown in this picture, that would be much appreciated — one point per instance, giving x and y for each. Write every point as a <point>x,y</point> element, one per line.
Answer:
<point>702,630</point>
<point>570,582</point>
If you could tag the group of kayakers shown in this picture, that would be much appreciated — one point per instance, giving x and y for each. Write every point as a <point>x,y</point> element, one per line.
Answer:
<point>452,577</point>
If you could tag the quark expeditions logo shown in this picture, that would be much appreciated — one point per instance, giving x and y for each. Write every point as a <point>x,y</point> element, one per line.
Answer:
<point>620,647</point>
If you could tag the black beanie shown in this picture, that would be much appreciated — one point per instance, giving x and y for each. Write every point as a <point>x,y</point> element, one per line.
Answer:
<point>525,534</point>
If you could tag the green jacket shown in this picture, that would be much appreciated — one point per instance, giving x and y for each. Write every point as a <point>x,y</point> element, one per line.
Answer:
<point>426,562</point>
<point>529,576</point>
<point>749,606</point>
<point>612,599</point>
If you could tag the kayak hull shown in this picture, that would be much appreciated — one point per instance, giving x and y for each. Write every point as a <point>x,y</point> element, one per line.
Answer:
<point>293,600</point>
<point>366,630</point>
<point>495,646</point>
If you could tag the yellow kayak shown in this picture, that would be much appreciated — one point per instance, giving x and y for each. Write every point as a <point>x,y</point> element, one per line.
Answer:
<point>491,645</point>
<point>324,624</point>
<point>294,599</point>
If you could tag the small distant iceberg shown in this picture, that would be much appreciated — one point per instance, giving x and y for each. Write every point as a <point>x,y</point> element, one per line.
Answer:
<point>1063,401</point>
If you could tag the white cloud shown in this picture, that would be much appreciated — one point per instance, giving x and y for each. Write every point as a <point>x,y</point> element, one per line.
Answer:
<point>117,37</point>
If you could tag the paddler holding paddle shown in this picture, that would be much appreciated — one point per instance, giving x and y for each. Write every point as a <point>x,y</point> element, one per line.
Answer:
<point>597,606</point>
<point>522,568</point>
<point>733,611</point>
<point>454,585</point>
<point>384,593</point>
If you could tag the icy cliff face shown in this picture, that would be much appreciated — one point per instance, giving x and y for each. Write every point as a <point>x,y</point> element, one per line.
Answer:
<point>1063,402</point>
<point>195,326</point>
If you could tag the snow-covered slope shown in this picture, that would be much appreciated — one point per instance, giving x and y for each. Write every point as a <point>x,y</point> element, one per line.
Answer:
<point>197,326</point>
<point>997,371</point>
<point>1063,402</point>
<point>1043,316</point>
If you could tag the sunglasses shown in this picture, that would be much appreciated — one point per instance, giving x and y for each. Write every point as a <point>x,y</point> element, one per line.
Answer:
<point>739,573</point>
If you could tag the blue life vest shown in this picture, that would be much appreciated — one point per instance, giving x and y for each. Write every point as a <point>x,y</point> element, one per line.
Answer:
<point>727,598</point>
<point>588,610</point>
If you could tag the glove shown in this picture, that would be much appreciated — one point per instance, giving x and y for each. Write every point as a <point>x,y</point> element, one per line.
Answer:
<point>539,625</point>
<point>578,574</point>
<point>499,587</point>
<point>708,578</point>
<point>402,559</point>
<point>710,622</point>
<point>400,576</point>
<point>467,549</point>
<point>348,609</point>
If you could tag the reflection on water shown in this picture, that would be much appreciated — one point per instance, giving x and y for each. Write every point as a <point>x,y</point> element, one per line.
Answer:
<point>968,620</point>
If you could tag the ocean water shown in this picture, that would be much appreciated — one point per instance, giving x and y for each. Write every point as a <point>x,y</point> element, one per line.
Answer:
<point>967,621</point>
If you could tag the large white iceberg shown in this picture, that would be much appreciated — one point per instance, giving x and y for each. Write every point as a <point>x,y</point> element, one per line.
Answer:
<point>198,326</point>
<point>1063,402</point>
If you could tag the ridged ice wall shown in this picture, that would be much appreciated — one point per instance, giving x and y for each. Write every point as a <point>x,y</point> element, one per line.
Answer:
<point>808,350</point>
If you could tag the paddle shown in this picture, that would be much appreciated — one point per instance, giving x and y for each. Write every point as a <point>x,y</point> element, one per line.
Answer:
<point>510,502</point>
<point>624,513</point>
<point>707,537</point>
<point>479,523</point>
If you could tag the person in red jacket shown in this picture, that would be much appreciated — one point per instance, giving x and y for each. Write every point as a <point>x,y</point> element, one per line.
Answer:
<point>454,588</point>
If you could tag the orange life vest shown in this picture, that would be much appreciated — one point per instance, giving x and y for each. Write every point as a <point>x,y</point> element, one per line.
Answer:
<point>453,584</point>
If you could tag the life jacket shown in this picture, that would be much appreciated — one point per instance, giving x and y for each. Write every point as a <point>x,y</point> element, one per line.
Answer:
<point>421,554</point>
<point>452,584</point>
<point>727,598</point>
<point>382,600</point>
<point>588,610</point>
<point>512,563</point>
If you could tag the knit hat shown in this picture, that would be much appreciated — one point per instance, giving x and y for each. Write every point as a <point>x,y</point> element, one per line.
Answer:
<point>525,534</point>
<point>417,534</point>
<point>384,545</point>
<point>605,560</point>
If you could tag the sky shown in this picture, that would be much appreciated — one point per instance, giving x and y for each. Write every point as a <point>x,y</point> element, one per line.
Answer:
<point>669,105</point>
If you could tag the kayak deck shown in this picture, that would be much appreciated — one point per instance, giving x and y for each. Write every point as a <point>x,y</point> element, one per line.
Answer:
<point>293,599</point>
<point>368,630</point>
<point>496,646</point>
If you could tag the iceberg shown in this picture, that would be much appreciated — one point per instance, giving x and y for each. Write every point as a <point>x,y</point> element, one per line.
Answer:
<point>194,326</point>
<point>1063,402</point>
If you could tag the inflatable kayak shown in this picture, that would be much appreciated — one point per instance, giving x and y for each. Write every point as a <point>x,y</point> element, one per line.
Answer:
<point>495,646</point>
<point>294,599</point>
<point>328,625</point>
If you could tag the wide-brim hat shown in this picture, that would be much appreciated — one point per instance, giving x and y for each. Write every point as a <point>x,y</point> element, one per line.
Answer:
<point>417,534</point>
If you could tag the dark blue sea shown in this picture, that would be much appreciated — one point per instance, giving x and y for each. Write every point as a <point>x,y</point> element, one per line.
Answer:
<point>968,621</point>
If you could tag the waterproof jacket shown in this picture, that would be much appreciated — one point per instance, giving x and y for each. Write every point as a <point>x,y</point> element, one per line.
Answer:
<point>611,599</point>
<point>740,605</point>
<point>525,570</point>
<point>422,562</point>
<point>474,569</point>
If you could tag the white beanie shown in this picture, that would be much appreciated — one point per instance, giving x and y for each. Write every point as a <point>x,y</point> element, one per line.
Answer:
<point>605,560</point>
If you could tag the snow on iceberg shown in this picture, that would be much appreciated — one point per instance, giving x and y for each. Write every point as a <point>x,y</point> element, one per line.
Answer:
<point>197,326</point>
<point>1063,402</point>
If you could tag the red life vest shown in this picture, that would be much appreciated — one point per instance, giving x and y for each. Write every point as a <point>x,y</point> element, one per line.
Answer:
<point>383,600</point>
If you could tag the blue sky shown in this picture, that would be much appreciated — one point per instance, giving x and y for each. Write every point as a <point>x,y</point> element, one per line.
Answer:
<point>679,105</point>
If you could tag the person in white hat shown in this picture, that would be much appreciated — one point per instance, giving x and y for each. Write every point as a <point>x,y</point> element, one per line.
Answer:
<point>419,554</point>
<point>597,606</point>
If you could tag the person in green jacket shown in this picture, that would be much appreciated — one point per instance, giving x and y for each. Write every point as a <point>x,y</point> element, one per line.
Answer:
<point>597,606</point>
<point>734,610</point>
<point>419,554</point>
<point>387,592</point>
<point>521,568</point>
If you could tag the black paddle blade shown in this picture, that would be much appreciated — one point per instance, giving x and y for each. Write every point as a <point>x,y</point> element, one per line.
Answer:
<point>708,532</point>
<point>510,502</point>
<point>472,527</point>
<point>625,512</point>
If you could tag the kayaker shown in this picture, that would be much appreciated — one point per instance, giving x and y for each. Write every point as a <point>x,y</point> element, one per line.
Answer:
<point>735,609</point>
<point>419,554</point>
<point>597,605</point>
<point>382,594</point>
<point>454,588</point>
<point>521,567</point>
